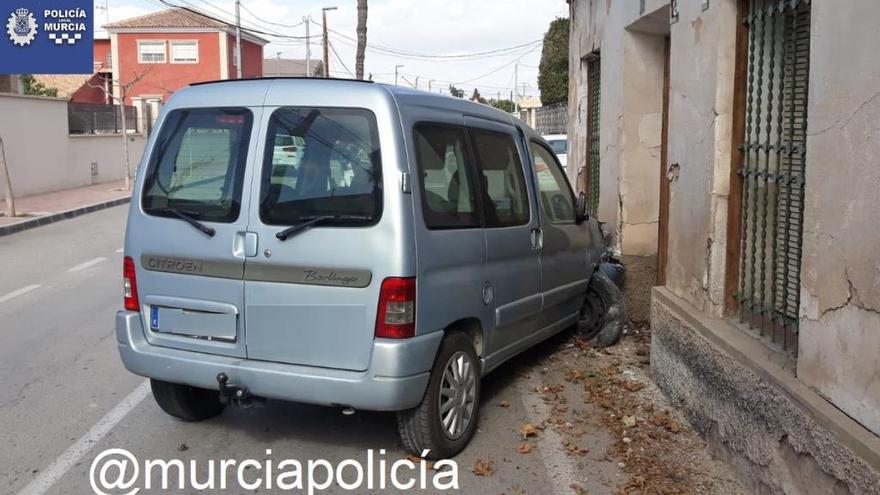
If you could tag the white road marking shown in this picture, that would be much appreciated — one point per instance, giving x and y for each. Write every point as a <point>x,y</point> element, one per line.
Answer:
<point>560,467</point>
<point>70,457</point>
<point>120,250</point>
<point>86,264</point>
<point>19,292</point>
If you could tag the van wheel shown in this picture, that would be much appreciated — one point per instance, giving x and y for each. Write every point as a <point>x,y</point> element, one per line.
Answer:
<point>185,402</point>
<point>603,313</point>
<point>445,421</point>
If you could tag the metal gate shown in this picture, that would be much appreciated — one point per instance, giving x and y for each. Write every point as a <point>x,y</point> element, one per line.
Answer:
<point>594,89</point>
<point>773,168</point>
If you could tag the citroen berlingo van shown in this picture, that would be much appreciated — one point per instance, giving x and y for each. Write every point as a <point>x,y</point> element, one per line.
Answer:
<point>347,244</point>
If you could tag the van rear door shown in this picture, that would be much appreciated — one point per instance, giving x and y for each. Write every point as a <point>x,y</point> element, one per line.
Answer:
<point>187,233</point>
<point>309,296</point>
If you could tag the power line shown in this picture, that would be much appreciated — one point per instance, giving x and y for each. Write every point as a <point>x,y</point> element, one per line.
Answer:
<point>255,16</point>
<point>333,48</point>
<point>414,55</point>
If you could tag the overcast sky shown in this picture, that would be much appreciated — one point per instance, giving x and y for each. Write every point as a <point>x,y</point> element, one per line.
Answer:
<point>435,27</point>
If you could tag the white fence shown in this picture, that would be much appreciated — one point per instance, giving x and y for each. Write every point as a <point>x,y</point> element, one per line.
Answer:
<point>41,155</point>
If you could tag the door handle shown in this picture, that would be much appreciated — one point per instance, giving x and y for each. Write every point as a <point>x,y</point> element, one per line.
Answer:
<point>536,235</point>
<point>245,244</point>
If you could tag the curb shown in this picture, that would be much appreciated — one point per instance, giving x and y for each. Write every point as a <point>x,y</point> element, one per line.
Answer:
<point>61,215</point>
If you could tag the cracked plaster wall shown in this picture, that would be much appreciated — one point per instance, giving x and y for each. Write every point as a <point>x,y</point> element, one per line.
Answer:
<point>840,281</point>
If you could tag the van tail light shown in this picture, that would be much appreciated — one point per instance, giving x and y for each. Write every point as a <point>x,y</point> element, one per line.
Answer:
<point>129,284</point>
<point>396,317</point>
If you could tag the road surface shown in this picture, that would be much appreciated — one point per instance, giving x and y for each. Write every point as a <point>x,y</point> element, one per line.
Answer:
<point>65,397</point>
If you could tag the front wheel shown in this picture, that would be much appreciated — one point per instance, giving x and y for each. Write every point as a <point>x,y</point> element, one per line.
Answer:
<point>446,419</point>
<point>603,312</point>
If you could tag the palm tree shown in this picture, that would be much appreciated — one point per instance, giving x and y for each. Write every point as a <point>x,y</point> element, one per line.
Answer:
<point>362,39</point>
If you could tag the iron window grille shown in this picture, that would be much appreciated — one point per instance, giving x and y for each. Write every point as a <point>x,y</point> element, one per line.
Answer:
<point>594,77</point>
<point>773,168</point>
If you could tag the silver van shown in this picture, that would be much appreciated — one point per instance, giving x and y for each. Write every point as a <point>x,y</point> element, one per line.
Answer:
<point>347,244</point>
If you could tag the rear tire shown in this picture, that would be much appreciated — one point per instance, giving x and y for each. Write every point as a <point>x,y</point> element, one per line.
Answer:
<point>456,372</point>
<point>185,402</point>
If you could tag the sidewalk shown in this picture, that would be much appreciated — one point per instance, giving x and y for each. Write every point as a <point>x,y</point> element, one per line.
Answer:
<point>51,207</point>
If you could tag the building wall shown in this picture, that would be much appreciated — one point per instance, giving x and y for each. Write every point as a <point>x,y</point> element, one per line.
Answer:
<point>42,157</point>
<point>102,54</point>
<point>252,53</point>
<point>840,280</point>
<point>163,79</point>
<point>837,363</point>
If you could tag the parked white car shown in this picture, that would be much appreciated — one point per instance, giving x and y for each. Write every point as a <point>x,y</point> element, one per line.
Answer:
<point>559,144</point>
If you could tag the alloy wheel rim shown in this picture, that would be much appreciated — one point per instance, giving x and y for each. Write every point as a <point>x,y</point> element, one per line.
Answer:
<point>458,389</point>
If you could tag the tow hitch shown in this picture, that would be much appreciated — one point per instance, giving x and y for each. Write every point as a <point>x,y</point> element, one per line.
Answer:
<point>234,395</point>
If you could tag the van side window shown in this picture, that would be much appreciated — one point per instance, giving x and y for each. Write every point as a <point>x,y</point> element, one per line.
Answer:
<point>321,162</point>
<point>556,198</point>
<point>504,195</point>
<point>198,164</point>
<point>447,193</point>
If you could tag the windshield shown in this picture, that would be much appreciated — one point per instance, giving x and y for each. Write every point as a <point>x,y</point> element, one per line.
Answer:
<point>559,146</point>
<point>321,161</point>
<point>197,165</point>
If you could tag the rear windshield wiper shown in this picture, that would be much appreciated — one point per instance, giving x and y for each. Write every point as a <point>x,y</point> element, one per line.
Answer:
<point>186,217</point>
<point>310,221</point>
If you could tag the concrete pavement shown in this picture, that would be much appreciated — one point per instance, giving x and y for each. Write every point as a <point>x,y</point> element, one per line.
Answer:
<point>43,209</point>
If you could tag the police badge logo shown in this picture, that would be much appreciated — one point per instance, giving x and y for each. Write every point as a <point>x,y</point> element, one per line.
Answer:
<point>21,27</point>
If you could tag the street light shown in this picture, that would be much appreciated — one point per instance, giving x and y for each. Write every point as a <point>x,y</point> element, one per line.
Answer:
<point>395,73</point>
<point>326,41</point>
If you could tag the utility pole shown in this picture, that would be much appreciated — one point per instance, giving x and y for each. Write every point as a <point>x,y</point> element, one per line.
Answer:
<point>429,84</point>
<point>326,42</point>
<point>306,19</point>
<point>417,82</point>
<point>516,87</point>
<point>395,73</point>
<point>237,39</point>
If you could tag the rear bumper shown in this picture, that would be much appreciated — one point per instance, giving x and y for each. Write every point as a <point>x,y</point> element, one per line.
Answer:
<point>396,379</point>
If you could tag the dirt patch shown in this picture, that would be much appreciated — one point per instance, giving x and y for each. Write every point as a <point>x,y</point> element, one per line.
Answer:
<point>592,392</point>
<point>641,276</point>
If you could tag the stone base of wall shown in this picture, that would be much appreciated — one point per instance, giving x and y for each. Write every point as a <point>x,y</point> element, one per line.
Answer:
<point>781,437</point>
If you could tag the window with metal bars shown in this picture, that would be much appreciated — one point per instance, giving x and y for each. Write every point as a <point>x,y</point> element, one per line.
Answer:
<point>773,168</point>
<point>594,96</point>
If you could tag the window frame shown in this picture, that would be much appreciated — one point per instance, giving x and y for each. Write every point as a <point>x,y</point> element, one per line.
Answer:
<point>171,44</point>
<point>564,177</point>
<point>140,54</point>
<point>515,138</point>
<point>470,167</point>
<point>266,166</point>
<point>240,168</point>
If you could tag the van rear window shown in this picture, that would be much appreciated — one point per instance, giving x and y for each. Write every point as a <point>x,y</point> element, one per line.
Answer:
<point>321,162</point>
<point>197,165</point>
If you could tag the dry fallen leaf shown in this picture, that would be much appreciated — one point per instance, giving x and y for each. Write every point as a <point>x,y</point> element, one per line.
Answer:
<point>504,403</point>
<point>483,467</point>
<point>528,430</point>
<point>524,448</point>
<point>628,421</point>
<point>579,490</point>
<point>416,460</point>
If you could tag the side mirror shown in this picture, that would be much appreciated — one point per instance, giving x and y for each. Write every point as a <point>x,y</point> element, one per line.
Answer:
<point>581,213</point>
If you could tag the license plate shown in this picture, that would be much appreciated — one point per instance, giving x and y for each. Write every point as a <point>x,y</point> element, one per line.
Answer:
<point>154,317</point>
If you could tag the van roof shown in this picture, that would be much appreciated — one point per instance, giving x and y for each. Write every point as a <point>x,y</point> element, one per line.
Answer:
<point>260,85</point>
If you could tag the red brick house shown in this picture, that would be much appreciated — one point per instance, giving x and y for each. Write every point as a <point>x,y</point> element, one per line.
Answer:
<point>82,88</point>
<point>173,48</point>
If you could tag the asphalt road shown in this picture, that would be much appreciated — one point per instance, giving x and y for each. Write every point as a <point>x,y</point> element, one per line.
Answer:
<point>65,397</point>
